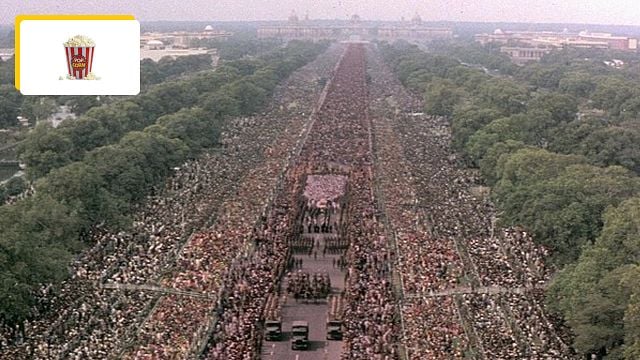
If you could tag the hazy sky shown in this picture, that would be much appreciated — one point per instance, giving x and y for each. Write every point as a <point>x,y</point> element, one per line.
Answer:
<point>623,12</point>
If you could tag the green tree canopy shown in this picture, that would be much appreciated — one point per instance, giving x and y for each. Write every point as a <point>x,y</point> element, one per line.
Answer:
<point>467,120</point>
<point>560,202</point>
<point>613,145</point>
<point>195,127</point>
<point>250,97</point>
<point>45,149</point>
<point>10,103</point>
<point>598,295</point>
<point>578,84</point>
<point>441,97</point>
<point>495,158</point>
<point>79,187</point>
<point>504,95</point>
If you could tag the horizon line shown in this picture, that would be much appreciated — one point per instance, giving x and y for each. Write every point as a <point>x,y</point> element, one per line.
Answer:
<point>381,20</point>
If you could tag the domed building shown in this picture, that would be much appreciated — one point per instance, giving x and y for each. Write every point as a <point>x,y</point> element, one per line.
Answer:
<point>353,29</point>
<point>155,45</point>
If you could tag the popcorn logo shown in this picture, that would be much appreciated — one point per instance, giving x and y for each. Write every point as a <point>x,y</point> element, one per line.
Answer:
<point>79,62</point>
<point>79,50</point>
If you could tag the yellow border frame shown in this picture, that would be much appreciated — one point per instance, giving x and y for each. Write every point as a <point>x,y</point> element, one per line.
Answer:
<point>21,18</point>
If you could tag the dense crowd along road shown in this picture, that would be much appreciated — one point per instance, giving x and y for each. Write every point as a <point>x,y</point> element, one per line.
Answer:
<point>413,234</point>
<point>446,240</point>
<point>82,320</point>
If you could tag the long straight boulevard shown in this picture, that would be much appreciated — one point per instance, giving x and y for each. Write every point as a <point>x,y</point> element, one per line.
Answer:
<point>339,145</point>
<point>341,210</point>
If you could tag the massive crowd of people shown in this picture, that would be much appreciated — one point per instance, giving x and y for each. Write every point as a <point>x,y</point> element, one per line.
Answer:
<point>436,333</point>
<point>447,242</point>
<point>343,136</point>
<point>424,261</point>
<point>338,143</point>
<point>83,320</point>
<point>253,279</point>
<point>324,187</point>
<point>220,235</point>
<point>247,245</point>
<point>106,319</point>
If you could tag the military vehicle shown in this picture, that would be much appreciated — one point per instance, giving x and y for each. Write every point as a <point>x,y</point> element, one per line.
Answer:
<point>273,330</point>
<point>334,318</point>
<point>300,335</point>
<point>273,322</point>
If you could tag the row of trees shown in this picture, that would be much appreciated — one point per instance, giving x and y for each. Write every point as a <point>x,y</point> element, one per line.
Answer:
<point>90,172</point>
<point>237,87</point>
<point>241,45</point>
<point>10,98</point>
<point>7,71</point>
<point>36,108</point>
<point>10,104</point>
<point>558,142</point>
<point>152,72</point>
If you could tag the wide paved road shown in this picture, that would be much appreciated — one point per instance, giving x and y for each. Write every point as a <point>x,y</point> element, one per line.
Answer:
<point>314,313</point>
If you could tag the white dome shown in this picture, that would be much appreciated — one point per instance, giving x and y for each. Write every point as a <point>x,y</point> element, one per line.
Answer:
<point>208,28</point>
<point>498,32</point>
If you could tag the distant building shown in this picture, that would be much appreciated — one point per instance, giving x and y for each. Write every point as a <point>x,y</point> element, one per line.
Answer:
<point>6,54</point>
<point>156,50</point>
<point>23,121</point>
<point>355,28</point>
<point>523,55</point>
<point>183,39</point>
<point>413,33</point>
<point>157,45</point>
<point>613,42</point>
<point>583,39</point>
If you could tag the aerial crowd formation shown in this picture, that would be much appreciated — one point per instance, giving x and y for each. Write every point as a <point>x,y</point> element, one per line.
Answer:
<point>480,287</point>
<point>428,273</point>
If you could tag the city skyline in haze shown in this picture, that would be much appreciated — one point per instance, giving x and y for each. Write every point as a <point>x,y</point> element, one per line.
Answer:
<point>620,12</point>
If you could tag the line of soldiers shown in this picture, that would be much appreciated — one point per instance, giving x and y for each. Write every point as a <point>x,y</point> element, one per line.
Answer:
<point>335,245</point>
<point>308,286</point>
<point>302,245</point>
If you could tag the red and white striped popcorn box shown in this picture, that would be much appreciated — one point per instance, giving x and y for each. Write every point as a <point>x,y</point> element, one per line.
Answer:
<point>79,60</point>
